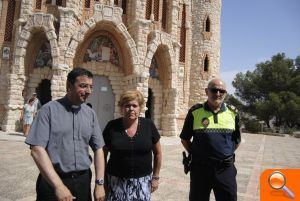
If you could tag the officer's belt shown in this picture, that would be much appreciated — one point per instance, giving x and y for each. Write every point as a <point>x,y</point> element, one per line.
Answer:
<point>215,162</point>
<point>214,130</point>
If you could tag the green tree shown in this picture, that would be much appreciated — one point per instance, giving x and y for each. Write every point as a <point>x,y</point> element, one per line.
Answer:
<point>231,100</point>
<point>297,62</point>
<point>272,90</point>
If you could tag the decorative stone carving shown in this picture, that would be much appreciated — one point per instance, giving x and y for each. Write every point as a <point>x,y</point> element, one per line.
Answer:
<point>38,19</point>
<point>97,7</point>
<point>25,34</point>
<point>51,35</point>
<point>90,22</point>
<point>107,11</point>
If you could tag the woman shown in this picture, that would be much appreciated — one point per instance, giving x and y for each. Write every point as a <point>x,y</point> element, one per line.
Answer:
<point>131,140</point>
<point>27,115</point>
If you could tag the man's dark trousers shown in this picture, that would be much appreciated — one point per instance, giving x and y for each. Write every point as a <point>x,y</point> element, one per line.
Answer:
<point>205,177</point>
<point>79,183</point>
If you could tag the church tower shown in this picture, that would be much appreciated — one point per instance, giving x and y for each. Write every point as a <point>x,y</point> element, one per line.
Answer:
<point>205,49</point>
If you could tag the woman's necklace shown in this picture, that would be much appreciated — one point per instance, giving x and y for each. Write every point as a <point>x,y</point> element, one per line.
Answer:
<point>132,129</point>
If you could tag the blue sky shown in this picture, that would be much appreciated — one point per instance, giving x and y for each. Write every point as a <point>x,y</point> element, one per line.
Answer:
<point>252,31</point>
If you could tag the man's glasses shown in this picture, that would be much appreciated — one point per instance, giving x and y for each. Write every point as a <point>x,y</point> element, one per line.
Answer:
<point>215,90</point>
<point>85,86</point>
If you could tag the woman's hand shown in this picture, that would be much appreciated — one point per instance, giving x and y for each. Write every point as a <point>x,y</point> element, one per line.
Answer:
<point>21,115</point>
<point>154,185</point>
<point>156,166</point>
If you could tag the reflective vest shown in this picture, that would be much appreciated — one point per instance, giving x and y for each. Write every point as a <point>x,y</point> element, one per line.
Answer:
<point>204,119</point>
<point>213,132</point>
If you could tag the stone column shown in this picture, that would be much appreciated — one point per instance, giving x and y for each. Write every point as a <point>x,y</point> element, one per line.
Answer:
<point>15,102</point>
<point>151,12</point>
<point>66,30</point>
<point>59,81</point>
<point>16,80</point>
<point>170,113</point>
<point>0,8</point>
<point>189,46</point>
<point>26,8</point>
<point>174,21</point>
<point>139,32</point>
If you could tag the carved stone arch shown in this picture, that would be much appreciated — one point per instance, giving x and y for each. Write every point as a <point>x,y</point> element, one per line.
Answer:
<point>106,18</point>
<point>89,51</point>
<point>162,42</point>
<point>36,23</point>
<point>160,46</point>
<point>41,25</point>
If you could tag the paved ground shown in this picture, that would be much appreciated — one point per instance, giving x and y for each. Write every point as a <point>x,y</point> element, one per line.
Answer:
<point>256,153</point>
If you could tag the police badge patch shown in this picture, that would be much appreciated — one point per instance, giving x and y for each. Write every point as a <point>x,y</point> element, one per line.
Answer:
<point>205,122</point>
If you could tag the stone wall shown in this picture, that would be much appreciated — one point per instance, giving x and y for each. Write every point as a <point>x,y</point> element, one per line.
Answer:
<point>0,8</point>
<point>70,29</point>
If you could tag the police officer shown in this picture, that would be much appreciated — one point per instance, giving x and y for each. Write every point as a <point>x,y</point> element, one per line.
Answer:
<point>214,127</point>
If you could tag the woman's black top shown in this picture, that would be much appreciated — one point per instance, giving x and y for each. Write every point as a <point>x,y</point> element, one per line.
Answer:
<point>130,157</point>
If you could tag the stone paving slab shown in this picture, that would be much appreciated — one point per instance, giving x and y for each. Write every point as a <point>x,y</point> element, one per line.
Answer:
<point>18,172</point>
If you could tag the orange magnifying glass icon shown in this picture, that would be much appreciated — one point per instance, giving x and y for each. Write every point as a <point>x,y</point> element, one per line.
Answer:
<point>277,181</point>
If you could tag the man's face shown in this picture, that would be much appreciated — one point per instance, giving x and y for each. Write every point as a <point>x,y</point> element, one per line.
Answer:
<point>80,90</point>
<point>216,92</point>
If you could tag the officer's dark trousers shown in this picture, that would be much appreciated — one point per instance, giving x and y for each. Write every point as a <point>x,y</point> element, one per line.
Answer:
<point>204,178</point>
<point>79,183</point>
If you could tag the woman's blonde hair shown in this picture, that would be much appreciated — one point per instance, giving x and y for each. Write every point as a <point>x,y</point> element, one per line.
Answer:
<point>131,95</point>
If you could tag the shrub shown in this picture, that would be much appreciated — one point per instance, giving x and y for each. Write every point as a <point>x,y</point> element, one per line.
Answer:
<point>252,126</point>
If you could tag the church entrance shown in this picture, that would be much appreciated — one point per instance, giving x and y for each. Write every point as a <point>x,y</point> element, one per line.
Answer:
<point>150,105</point>
<point>102,100</point>
<point>44,91</point>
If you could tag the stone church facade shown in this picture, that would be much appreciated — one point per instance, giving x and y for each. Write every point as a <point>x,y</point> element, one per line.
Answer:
<point>167,49</point>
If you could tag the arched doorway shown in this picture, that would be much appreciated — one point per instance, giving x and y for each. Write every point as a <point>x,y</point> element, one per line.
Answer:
<point>150,105</point>
<point>102,100</point>
<point>44,91</point>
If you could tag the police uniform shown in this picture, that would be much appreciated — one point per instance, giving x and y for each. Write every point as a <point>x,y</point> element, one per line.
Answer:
<point>215,138</point>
